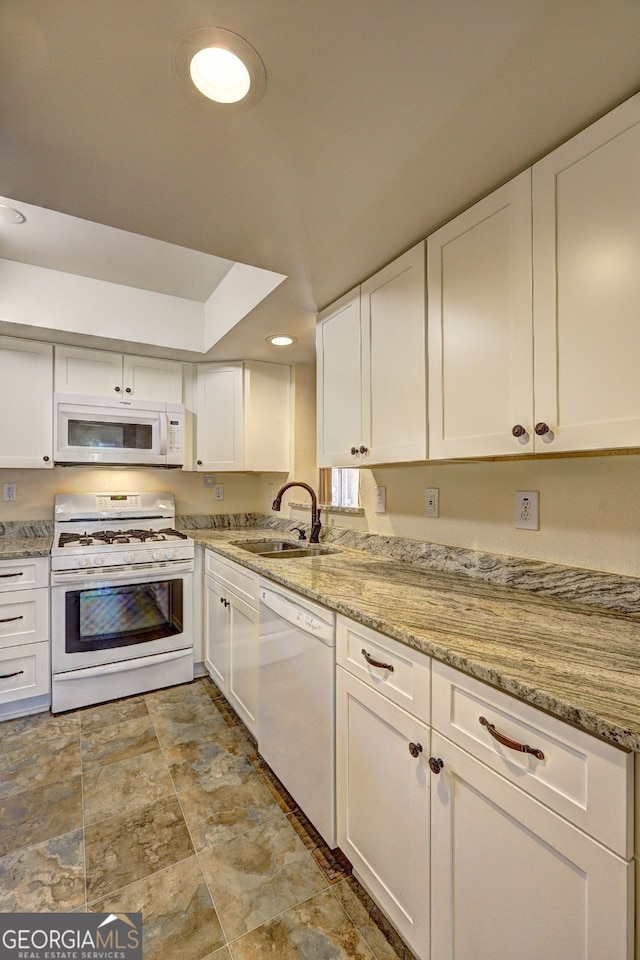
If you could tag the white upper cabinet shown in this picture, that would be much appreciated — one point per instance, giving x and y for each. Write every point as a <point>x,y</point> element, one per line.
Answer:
<point>372,369</point>
<point>103,374</point>
<point>586,222</point>
<point>502,383</point>
<point>243,413</point>
<point>480,328</point>
<point>26,391</point>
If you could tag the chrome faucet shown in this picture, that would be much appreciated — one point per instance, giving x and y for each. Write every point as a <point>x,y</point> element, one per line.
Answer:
<point>315,513</point>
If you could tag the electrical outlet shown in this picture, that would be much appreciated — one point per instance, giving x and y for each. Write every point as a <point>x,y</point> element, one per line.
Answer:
<point>432,502</point>
<point>218,491</point>
<point>9,492</point>
<point>527,516</point>
<point>381,500</point>
<point>209,480</point>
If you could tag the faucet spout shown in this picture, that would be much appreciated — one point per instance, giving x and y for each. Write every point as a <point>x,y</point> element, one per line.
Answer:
<point>315,512</point>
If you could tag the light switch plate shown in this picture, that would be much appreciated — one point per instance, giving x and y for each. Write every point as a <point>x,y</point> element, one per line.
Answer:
<point>209,480</point>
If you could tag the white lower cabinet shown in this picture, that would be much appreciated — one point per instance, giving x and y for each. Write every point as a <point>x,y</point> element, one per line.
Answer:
<point>382,783</point>
<point>475,848</point>
<point>231,625</point>
<point>510,878</point>
<point>25,673</point>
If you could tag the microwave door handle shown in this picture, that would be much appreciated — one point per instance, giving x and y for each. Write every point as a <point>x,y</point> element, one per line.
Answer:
<point>164,420</point>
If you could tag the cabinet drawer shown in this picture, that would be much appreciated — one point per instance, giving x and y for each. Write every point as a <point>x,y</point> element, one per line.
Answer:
<point>24,672</point>
<point>24,574</point>
<point>243,582</point>
<point>584,779</point>
<point>24,617</point>
<point>395,670</point>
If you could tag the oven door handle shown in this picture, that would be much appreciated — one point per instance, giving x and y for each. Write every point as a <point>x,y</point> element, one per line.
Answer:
<point>122,665</point>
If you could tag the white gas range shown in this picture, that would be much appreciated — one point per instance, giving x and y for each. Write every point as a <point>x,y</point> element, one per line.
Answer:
<point>121,597</point>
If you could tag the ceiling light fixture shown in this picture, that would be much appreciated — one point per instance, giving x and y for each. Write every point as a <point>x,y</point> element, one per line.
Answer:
<point>9,215</point>
<point>219,69</point>
<point>281,340</point>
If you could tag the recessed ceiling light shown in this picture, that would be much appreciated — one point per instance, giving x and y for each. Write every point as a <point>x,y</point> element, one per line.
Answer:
<point>281,340</point>
<point>9,215</point>
<point>219,69</point>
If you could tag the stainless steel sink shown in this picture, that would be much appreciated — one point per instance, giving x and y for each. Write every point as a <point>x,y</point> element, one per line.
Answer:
<point>282,549</point>
<point>310,551</point>
<point>266,546</point>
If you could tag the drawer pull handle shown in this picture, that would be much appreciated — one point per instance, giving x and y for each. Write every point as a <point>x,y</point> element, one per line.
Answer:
<point>4,575</point>
<point>376,663</point>
<point>415,749</point>
<point>507,742</point>
<point>12,619</point>
<point>7,676</point>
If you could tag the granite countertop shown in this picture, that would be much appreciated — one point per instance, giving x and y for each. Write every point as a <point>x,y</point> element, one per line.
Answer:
<point>17,548</point>
<point>578,662</point>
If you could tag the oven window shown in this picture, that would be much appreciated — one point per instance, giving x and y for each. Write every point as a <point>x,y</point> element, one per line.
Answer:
<point>101,618</point>
<point>119,436</point>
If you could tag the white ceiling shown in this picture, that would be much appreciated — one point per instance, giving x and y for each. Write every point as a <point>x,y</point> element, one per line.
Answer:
<point>381,119</point>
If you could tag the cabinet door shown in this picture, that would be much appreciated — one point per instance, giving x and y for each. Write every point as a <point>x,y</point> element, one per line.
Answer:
<point>394,367</point>
<point>219,426</point>
<point>340,383</point>
<point>480,328</point>
<point>92,372</point>
<point>26,391</point>
<point>267,416</point>
<point>383,804</point>
<point>217,631</point>
<point>148,378</point>
<point>510,878</point>
<point>586,209</point>
<point>244,660</point>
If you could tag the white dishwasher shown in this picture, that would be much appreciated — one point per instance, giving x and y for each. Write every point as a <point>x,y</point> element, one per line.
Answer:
<point>297,701</point>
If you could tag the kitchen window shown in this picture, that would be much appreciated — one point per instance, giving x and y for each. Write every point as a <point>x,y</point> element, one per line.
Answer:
<point>340,487</point>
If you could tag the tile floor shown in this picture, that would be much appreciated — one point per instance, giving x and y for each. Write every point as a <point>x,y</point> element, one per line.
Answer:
<point>160,803</point>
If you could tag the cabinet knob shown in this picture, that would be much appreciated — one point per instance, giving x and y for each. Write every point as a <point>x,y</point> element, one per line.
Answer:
<point>520,433</point>
<point>46,459</point>
<point>415,749</point>
<point>435,765</point>
<point>199,462</point>
<point>354,450</point>
<point>543,430</point>
<point>364,449</point>
<point>127,389</point>
<point>117,389</point>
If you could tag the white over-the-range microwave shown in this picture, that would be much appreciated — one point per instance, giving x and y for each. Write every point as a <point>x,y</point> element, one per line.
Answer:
<point>107,431</point>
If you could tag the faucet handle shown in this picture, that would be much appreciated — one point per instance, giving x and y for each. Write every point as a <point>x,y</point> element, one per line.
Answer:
<point>302,532</point>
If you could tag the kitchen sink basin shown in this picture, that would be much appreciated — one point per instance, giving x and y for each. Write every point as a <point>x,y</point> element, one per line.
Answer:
<point>282,549</point>
<point>266,546</point>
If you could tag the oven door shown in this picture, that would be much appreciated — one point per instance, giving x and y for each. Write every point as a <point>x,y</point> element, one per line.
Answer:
<point>97,622</point>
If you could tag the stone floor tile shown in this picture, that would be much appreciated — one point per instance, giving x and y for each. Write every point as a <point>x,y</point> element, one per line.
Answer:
<point>124,786</point>
<point>179,920</point>
<point>131,846</point>
<point>42,813</point>
<point>200,762</point>
<point>39,762</point>
<point>116,711</point>
<point>370,921</point>
<point>38,730</point>
<point>128,738</point>
<point>318,928</point>
<point>228,805</point>
<point>45,878</point>
<point>258,875</point>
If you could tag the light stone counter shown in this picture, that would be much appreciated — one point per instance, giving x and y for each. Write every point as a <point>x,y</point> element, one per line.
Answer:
<point>578,662</point>
<point>17,548</point>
